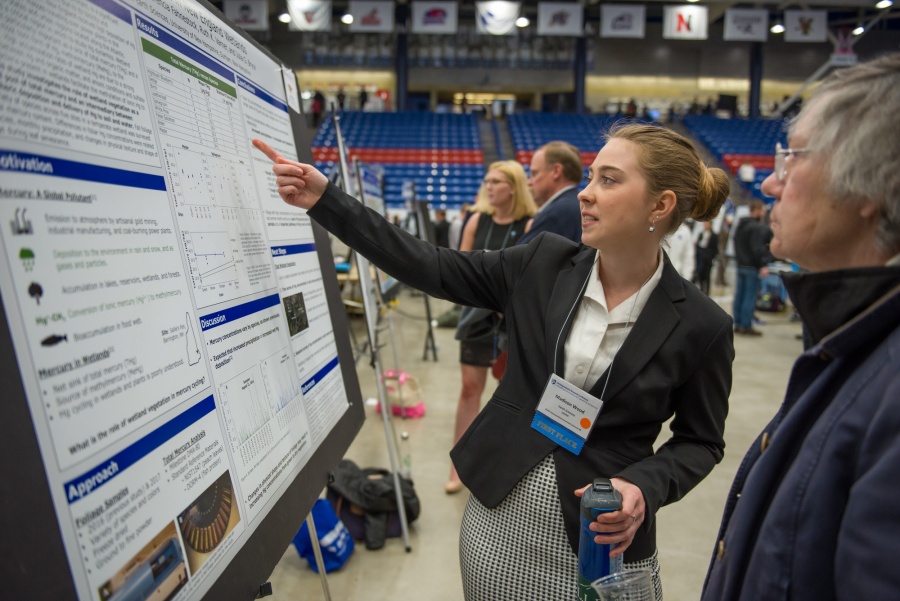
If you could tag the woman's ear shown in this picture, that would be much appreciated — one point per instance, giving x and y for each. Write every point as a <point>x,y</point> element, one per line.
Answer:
<point>664,205</point>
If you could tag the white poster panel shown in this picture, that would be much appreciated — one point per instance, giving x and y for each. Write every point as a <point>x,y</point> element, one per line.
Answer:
<point>746,25</point>
<point>622,20</point>
<point>309,15</point>
<point>372,15</point>
<point>805,26</point>
<point>251,15</point>
<point>497,17</point>
<point>560,18</point>
<point>685,22</point>
<point>434,17</point>
<point>178,375</point>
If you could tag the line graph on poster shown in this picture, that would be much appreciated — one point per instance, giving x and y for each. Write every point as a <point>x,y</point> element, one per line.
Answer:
<point>205,179</point>
<point>212,260</point>
<point>246,415</point>
<point>282,385</point>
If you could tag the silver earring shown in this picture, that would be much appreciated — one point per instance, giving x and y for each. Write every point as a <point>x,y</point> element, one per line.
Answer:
<point>653,225</point>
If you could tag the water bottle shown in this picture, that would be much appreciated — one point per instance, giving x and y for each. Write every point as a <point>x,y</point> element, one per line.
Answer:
<point>593,560</point>
<point>405,456</point>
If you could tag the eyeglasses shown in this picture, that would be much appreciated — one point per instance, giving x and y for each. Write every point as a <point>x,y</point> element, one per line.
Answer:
<point>494,182</point>
<point>781,157</point>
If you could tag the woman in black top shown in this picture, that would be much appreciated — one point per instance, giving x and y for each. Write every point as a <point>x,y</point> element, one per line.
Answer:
<point>506,206</point>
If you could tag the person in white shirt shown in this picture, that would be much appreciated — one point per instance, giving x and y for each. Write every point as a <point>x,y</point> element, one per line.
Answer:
<point>681,250</point>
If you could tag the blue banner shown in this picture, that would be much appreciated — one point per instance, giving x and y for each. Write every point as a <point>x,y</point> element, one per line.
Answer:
<point>44,165</point>
<point>261,94</point>
<point>213,320</point>
<point>80,487</point>
<point>319,375</point>
<point>158,32</point>
<point>293,249</point>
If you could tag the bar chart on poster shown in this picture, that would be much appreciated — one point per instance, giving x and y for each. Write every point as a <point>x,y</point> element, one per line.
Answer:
<point>176,340</point>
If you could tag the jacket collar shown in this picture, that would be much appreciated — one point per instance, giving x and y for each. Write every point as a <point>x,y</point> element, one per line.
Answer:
<point>642,342</point>
<point>650,331</point>
<point>829,300</point>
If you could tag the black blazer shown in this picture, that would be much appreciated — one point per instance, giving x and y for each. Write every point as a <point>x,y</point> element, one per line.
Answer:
<point>676,360</point>
<point>562,217</point>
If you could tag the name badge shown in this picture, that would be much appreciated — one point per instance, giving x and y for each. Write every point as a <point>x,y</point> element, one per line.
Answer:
<point>566,414</point>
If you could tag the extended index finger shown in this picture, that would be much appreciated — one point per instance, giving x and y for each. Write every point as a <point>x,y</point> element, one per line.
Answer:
<point>266,150</point>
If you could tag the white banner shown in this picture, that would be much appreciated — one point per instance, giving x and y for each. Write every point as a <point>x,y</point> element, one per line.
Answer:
<point>251,15</point>
<point>372,15</point>
<point>497,17</point>
<point>622,20</point>
<point>434,17</point>
<point>805,26</point>
<point>560,18</point>
<point>309,15</point>
<point>746,25</point>
<point>685,22</point>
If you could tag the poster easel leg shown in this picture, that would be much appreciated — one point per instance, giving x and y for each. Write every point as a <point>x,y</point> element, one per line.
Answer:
<point>317,550</point>
<point>429,335</point>
<point>387,419</point>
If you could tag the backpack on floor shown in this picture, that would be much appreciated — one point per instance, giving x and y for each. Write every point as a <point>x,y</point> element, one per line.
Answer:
<point>364,499</point>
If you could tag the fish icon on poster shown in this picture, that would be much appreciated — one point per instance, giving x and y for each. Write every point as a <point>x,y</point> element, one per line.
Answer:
<point>54,339</point>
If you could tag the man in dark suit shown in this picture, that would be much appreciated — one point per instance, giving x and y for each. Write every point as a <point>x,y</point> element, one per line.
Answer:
<point>556,172</point>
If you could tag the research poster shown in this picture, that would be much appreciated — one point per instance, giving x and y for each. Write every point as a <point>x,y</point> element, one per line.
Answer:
<point>166,308</point>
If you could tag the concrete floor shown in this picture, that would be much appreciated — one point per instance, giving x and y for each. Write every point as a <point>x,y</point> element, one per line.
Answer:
<point>686,530</point>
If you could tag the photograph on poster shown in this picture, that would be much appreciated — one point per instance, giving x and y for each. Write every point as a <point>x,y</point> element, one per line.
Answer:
<point>207,521</point>
<point>155,572</point>
<point>295,309</point>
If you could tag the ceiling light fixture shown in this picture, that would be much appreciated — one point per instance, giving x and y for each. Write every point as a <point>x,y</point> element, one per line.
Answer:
<point>777,28</point>
<point>884,4</point>
<point>859,30</point>
<point>522,22</point>
<point>347,19</point>
<point>284,18</point>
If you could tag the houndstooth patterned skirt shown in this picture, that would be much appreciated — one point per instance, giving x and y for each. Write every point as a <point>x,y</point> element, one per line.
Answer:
<point>518,551</point>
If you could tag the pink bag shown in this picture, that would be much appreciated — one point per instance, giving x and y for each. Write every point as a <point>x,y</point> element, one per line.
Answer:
<point>404,394</point>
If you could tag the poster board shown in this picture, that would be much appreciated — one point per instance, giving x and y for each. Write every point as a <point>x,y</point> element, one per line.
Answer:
<point>178,379</point>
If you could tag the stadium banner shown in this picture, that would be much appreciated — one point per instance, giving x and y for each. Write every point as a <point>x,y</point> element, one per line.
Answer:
<point>622,20</point>
<point>805,26</point>
<point>372,16</point>
<point>249,15</point>
<point>434,17</point>
<point>497,17</point>
<point>309,15</point>
<point>746,25</point>
<point>685,22</point>
<point>560,18</point>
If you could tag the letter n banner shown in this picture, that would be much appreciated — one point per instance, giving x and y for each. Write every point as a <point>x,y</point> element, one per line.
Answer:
<point>685,22</point>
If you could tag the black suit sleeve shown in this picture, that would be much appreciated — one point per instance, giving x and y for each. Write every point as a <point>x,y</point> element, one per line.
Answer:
<point>475,279</point>
<point>697,443</point>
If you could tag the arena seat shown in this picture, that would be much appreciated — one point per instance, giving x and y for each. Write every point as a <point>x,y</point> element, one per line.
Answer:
<point>530,131</point>
<point>440,152</point>
<point>741,141</point>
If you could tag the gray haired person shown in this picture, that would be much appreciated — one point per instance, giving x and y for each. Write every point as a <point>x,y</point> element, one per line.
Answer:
<point>812,513</point>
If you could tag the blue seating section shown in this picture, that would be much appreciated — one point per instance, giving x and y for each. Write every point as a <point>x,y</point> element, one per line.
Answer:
<point>441,153</point>
<point>530,131</point>
<point>738,141</point>
<point>402,130</point>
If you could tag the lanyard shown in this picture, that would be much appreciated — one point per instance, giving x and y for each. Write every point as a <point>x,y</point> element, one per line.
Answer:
<point>624,332</point>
